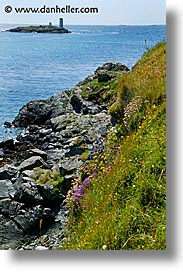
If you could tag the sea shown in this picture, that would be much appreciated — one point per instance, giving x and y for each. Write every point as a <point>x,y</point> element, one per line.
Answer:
<point>37,66</point>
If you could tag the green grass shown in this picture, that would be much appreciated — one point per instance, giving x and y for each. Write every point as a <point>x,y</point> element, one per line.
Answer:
<point>44,177</point>
<point>147,80</point>
<point>124,206</point>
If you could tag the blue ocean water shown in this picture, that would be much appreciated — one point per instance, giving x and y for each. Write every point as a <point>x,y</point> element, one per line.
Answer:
<point>36,66</point>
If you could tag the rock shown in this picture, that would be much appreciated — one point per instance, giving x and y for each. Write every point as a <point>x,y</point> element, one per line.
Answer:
<point>87,80</point>
<point>7,172</point>
<point>28,173</point>
<point>31,163</point>
<point>107,68</point>
<point>8,145</point>
<point>112,66</point>
<point>52,196</point>
<point>34,113</point>
<point>10,235</point>
<point>28,194</point>
<point>35,219</point>
<point>37,152</point>
<point>103,77</point>
<point>8,124</point>
<point>26,218</point>
<point>31,193</point>
<point>69,166</point>
<point>76,103</point>
<point>18,222</point>
<point>6,189</point>
<point>55,155</point>
<point>21,215</point>
<point>74,150</point>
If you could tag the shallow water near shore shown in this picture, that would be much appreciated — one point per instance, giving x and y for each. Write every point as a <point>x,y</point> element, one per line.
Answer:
<point>36,66</point>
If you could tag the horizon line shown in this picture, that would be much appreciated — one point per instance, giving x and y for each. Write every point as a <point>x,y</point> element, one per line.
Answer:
<point>150,24</point>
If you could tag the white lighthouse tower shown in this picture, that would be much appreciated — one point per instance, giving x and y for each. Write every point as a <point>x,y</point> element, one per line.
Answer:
<point>61,23</point>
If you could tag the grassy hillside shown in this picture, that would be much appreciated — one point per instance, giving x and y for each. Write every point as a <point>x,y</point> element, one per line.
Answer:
<point>119,201</point>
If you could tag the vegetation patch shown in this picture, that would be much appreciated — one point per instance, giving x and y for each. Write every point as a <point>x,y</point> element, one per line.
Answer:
<point>103,92</point>
<point>43,176</point>
<point>119,200</point>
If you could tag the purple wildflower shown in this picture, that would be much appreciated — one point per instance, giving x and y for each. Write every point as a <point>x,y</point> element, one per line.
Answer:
<point>79,193</point>
<point>94,174</point>
<point>86,181</point>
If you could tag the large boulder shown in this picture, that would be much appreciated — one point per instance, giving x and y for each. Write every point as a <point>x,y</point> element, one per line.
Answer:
<point>34,113</point>
<point>32,194</point>
<point>31,163</point>
<point>36,152</point>
<point>103,77</point>
<point>28,194</point>
<point>76,103</point>
<point>69,166</point>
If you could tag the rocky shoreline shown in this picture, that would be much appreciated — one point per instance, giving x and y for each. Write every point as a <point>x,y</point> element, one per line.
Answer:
<point>56,140</point>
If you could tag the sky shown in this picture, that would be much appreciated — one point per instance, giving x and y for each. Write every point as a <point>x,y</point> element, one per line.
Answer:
<point>111,12</point>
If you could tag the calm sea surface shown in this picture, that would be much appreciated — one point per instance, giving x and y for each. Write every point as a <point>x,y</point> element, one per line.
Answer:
<point>36,66</point>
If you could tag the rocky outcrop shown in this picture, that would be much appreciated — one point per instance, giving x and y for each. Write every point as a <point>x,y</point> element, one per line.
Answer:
<point>57,138</point>
<point>35,113</point>
<point>108,68</point>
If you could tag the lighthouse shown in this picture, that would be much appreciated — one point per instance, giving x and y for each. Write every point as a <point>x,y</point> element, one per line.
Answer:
<point>61,23</point>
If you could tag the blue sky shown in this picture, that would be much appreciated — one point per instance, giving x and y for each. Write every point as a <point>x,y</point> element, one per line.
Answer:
<point>111,12</point>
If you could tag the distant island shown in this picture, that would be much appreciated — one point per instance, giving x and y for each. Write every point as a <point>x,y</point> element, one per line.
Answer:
<point>40,29</point>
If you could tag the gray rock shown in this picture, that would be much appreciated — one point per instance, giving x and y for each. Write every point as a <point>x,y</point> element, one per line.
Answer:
<point>28,179</point>
<point>7,172</point>
<point>37,152</point>
<point>112,66</point>
<point>52,196</point>
<point>55,155</point>
<point>28,173</point>
<point>34,113</point>
<point>74,150</point>
<point>28,194</point>
<point>10,235</point>
<point>87,80</point>
<point>6,189</point>
<point>29,220</point>
<point>31,163</point>
<point>69,166</point>
<point>32,194</point>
